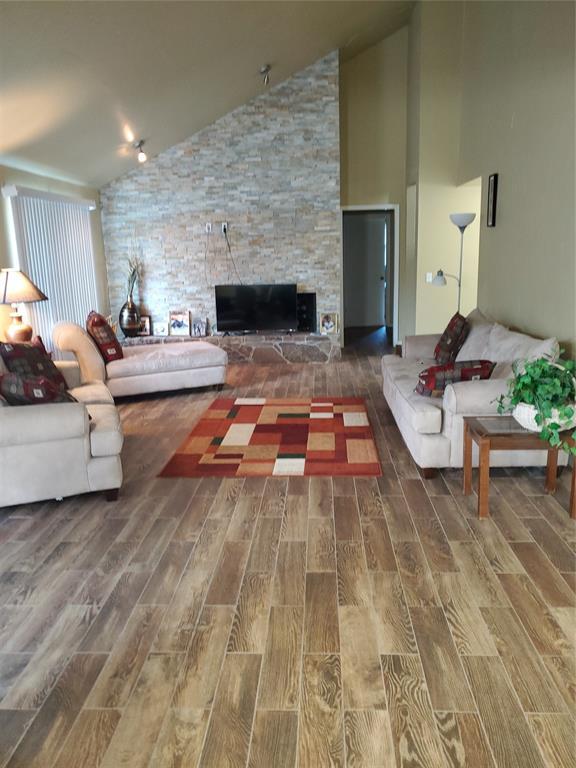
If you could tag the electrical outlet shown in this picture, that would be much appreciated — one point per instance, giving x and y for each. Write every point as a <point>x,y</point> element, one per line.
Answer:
<point>429,277</point>
<point>208,227</point>
<point>224,227</point>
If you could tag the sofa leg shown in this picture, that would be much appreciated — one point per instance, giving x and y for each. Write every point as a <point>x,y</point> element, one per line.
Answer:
<point>428,473</point>
<point>219,387</point>
<point>112,494</point>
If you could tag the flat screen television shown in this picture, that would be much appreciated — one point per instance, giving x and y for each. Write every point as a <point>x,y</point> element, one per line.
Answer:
<point>241,308</point>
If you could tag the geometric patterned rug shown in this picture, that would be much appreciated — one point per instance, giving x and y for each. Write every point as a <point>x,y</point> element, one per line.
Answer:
<point>289,436</point>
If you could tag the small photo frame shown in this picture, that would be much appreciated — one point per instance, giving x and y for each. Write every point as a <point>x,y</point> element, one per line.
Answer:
<point>145,326</point>
<point>198,326</point>
<point>160,329</point>
<point>179,323</point>
<point>328,322</point>
<point>492,199</point>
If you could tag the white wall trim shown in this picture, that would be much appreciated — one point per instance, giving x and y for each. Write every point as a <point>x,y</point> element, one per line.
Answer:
<point>395,207</point>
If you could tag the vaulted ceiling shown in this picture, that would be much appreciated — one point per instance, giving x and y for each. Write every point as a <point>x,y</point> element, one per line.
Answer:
<point>78,80</point>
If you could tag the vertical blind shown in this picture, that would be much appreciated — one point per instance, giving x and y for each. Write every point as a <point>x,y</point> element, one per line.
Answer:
<point>54,244</point>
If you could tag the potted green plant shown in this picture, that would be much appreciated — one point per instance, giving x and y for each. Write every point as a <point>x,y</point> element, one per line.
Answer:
<point>542,398</point>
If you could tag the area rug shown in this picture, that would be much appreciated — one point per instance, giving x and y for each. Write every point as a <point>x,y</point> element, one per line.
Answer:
<point>256,436</point>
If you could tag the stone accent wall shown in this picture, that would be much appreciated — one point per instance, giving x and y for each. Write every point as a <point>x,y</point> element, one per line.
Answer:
<point>271,169</point>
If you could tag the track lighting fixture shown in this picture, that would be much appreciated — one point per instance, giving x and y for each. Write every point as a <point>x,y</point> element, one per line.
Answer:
<point>139,146</point>
<point>265,73</point>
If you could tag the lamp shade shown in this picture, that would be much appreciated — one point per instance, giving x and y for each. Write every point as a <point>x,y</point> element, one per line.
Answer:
<point>439,278</point>
<point>462,219</point>
<point>16,288</point>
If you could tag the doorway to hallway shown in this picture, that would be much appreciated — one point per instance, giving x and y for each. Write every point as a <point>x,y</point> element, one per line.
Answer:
<point>370,258</point>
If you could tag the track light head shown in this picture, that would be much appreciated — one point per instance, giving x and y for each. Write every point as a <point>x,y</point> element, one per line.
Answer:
<point>139,146</point>
<point>265,73</point>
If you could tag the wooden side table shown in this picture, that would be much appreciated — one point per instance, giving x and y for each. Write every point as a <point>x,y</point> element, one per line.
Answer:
<point>503,433</point>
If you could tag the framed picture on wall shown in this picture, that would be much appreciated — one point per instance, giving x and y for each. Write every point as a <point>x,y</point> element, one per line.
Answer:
<point>492,198</point>
<point>179,323</point>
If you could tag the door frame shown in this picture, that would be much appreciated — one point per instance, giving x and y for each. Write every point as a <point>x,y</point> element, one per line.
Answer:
<point>395,208</point>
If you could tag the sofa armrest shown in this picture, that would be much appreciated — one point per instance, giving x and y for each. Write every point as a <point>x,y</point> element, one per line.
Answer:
<point>421,346</point>
<point>25,424</point>
<point>474,398</point>
<point>71,372</point>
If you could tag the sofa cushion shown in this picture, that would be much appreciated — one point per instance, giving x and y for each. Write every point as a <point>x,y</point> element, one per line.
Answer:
<point>452,339</point>
<point>32,360</point>
<point>421,413</point>
<point>433,381</point>
<point>477,339</point>
<point>104,337</point>
<point>504,346</point>
<point>31,390</point>
<point>106,436</point>
<point>163,358</point>
<point>94,392</point>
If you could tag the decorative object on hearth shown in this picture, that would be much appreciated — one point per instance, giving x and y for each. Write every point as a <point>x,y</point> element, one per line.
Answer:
<point>145,325</point>
<point>179,323</point>
<point>17,288</point>
<point>198,326</point>
<point>542,398</point>
<point>129,317</point>
<point>160,328</point>
<point>258,436</point>
<point>492,199</point>
<point>329,322</point>
<point>461,220</point>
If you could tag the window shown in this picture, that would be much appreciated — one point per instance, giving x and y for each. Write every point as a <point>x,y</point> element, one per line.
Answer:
<point>54,247</point>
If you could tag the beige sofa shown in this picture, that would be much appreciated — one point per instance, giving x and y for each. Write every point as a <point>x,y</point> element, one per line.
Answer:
<point>147,367</point>
<point>432,428</point>
<point>61,449</point>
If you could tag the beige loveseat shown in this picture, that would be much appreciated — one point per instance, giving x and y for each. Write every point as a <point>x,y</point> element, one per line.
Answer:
<point>147,367</point>
<point>60,449</point>
<point>432,428</point>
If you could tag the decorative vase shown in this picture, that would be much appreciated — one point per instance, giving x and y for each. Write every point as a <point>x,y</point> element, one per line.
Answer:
<point>129,317</point>
<point>525,415</point>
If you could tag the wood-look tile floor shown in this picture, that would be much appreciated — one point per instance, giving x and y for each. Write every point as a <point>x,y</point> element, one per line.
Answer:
<point>278,623</point>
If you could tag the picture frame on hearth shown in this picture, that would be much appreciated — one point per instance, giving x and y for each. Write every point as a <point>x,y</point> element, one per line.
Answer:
<point>145,326</point>
<point>160,329</point>
<point>179,323</point>
<point>329,323</point>
<point>198,326</point>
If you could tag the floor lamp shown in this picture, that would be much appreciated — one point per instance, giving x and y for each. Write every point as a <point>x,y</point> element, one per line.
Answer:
<point>461,220</point>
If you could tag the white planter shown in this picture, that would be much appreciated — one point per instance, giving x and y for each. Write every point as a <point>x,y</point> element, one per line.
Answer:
<point>525,415</point>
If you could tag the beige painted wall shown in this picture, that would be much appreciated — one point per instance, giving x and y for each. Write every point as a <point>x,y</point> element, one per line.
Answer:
<point>8,256</point>
<point>518,121</point>
<point>437,78</point>
<point>373,129</point>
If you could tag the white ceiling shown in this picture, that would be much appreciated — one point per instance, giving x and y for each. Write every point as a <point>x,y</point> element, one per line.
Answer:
<point>78,78</point>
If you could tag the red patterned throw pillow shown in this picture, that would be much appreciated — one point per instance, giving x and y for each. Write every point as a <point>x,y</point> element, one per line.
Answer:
<point>433,381</point>
<point>31,390</point>
<point>104,337</point>
<point>32,360</point>
<point>452,339</point>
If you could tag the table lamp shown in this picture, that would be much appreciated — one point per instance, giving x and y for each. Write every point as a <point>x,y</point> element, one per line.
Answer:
<point>17,288</point>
